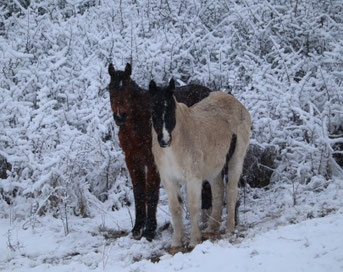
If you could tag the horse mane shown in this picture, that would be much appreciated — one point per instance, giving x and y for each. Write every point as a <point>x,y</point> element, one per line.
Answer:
<point>190,93</point>
<point>141,97</point>
<point>136,87</point>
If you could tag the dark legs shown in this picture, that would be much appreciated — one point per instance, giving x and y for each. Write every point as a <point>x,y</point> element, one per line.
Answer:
<point>146,185</point>
<point>152,195</point>
<point>137,175</point>
<point>206,196</point>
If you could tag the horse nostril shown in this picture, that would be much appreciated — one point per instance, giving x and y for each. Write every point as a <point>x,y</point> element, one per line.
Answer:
<point>119,118</point>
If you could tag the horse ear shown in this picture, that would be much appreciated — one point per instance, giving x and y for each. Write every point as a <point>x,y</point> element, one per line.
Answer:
<point>128,69</point>
<point>152,88</point>
<point>111,69</point>
<point>171,86</point>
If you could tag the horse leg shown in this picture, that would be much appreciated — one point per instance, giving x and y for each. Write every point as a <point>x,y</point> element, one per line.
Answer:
<point>194,202</point>
<point>206,200</point>
<point>217,187</point>
<point>174,198</point>
<point>152,194</point>
<point>234,173</point>
<point>137,175</point>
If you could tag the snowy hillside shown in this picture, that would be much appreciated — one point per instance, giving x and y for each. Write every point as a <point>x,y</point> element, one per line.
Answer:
<point>312,245</point>
<point>65,194</point>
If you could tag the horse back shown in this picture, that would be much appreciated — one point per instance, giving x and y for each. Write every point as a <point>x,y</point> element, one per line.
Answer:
<point>220,104</point>
<point>219,117</point>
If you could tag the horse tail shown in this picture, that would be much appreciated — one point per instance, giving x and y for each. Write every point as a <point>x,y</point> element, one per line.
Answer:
<point>229,156</point>
<point>226,169</point>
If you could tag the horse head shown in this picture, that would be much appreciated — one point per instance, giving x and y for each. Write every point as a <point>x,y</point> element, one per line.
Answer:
<point>163,111</point>
<point>120,93</point>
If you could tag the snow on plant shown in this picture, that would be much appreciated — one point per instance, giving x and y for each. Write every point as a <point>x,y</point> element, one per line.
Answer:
<point>283,60</point>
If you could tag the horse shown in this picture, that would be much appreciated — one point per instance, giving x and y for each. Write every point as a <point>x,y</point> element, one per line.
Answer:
<point>131,112</point>
<point>192,144</point>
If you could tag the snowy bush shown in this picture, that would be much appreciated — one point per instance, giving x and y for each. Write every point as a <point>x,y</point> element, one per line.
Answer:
<point>282,59</point>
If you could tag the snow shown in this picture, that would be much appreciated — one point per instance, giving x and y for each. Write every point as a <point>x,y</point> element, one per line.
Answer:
<point>272,236</point>
<point>312,245</point>
<point>67,202</point>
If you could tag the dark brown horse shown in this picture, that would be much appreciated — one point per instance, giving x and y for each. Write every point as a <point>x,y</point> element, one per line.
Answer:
<point>130,105</point>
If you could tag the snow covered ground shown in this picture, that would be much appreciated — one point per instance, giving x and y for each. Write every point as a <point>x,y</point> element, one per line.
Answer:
<point>282,59</point>
<point>313,245</point>
<point>268,243</point>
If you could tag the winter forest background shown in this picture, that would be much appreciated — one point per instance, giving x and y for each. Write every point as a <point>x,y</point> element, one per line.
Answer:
<point>59,150</point>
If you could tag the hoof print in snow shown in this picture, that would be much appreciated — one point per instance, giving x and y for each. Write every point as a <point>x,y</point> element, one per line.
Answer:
<point>254,253</point>
<point>109,233</point>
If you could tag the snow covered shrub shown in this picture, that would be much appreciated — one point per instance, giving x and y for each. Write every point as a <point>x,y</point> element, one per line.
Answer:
<point>338,147</point>
<point>56,126</point>
<point>4,167</point>
<point>259,165</point>
<point>291,90</point>
<point>282,59</point>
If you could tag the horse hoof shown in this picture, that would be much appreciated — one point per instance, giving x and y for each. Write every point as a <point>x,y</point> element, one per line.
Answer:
<point>210,236</point>
<point>207,235</point>
<point>149,235</point>
<point>136,234</point>
<point>174,250</point>
<point>189,248</point>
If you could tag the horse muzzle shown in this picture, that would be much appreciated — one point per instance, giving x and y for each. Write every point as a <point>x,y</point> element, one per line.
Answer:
<point>119,119</point>
<point>164,142</point>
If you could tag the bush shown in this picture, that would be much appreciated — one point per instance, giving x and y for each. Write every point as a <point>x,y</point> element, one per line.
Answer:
<point>282,59</point>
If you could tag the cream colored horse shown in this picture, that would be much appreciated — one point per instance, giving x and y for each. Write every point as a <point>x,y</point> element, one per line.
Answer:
<point>192,144</point>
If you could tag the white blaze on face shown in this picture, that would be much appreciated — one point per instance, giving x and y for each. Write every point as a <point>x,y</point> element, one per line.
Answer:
<point>165,133</point>
<point>120,83</point>
<point>146,171</point>
<point>117,112</point>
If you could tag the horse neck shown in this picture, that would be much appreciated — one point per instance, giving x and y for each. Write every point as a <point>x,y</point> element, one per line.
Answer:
<point>183,122</point>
